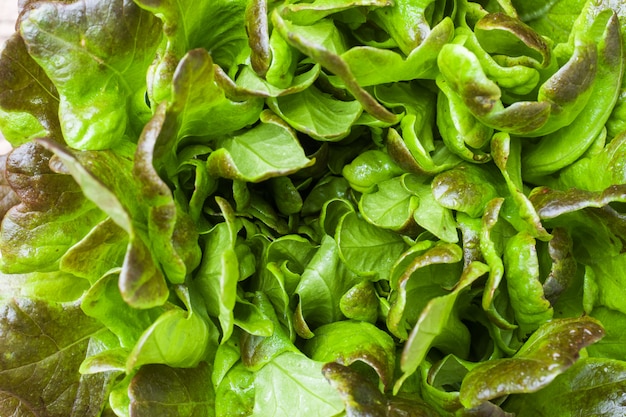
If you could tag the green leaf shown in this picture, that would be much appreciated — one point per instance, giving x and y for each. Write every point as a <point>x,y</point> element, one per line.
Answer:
<point>94,82</point>
<point>553,19</point>
<point>461,132</point>
<point>324,280</point>
<point>614,322</point>
<point>553,203</point>
<point>501,34</point>
<point>463,72</point>
<point>362,398</point>
<point>101,250</point>
<point>367,344</point>
<point>596,172</point>
<point>234,396</point>
<point>369,169</point>
<point>526,293</point>
<point>376,66</point>
<point>466,188</point>
<point>391,206</point>
<point>410,295</point>
<point>366,249</point>
<point>253,155</point>
<point>323,43</point>
<point>217,276</point>
<point>406,22</point>
<point>257,351</point>
<point>361,302</point>
<point>141,281</point>
<point>309,13</point>
<point>600,27</point>
<point>200,104</point>
<point>248,83</point>
<point>104,302</point>
<point>52,216</point>
<point>309,391</point>
<point>53,286</point>
<point>491,236</point>
<point>549,352</point>
<point>183,27</point>
<point>506,152</point>
<point>360,395</point>
<point>184,325</point>
<point>429,214</point>
<point>173,235</point>
<point>29,104</point>
<point>607,279</point>
<point>159,389</point>
<point>436,323</point>
<point>317,114</point>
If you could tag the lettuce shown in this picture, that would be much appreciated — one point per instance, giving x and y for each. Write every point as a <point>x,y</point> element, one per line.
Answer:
<point>316,208</point>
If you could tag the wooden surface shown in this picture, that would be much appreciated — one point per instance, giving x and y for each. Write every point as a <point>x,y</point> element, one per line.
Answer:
<point>8,14</point>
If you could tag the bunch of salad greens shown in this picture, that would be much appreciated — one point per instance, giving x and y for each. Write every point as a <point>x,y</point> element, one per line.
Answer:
<point>314,208</point>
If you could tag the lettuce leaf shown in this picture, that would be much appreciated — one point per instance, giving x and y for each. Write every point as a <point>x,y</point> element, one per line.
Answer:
<point>320,208</point>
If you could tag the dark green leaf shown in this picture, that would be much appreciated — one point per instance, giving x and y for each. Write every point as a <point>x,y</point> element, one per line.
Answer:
<point>164,391</point>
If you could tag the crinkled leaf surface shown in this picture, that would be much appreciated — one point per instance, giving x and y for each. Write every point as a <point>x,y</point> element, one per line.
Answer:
<point>76,44</point>
<point>52,216</point>
<point>200,104</point>
<point>44,344</point>
<point>548,353</point>
<point>141,281</point>
<point>362,398</point>
<point>8,198</point>
<point>593,386</point>
<point>29,102</point>
<point>183,27</point>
